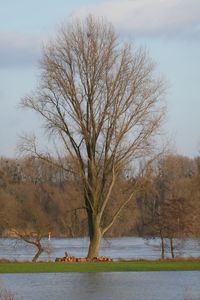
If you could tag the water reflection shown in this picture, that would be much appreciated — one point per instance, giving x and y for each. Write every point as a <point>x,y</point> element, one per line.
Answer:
<point>109,286</point>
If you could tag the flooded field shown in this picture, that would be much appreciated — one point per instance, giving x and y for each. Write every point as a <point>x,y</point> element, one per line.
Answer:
<point>117,248</point>
<point>109,286</point>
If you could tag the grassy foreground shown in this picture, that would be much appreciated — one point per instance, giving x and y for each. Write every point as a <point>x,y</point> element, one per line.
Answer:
<point>125,266</point>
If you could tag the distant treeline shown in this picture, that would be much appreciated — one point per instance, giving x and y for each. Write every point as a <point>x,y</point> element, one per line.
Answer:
<point>36,196</point>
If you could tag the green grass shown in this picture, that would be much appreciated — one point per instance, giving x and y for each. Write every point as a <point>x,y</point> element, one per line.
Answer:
<point>125,266</point>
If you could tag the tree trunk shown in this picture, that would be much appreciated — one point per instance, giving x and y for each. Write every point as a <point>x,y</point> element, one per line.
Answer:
<point>94,246</point>
<point>172,247</point>
<point>39,252</point>
<point>95,235</point>
<point>162,246</point>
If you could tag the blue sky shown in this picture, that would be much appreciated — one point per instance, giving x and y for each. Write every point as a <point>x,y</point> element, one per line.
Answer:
<point>170,29</point>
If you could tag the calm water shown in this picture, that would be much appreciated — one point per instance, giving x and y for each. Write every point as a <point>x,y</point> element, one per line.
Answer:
<point>126,248</point>
<point>108,286</point>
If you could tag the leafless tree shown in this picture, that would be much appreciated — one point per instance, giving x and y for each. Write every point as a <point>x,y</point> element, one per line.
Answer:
<point>33,238</point>
<point>166,204</point>
<point>27,219</point>
<point>102,99</point>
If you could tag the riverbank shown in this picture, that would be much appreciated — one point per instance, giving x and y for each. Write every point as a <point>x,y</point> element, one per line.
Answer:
<point>122,266</point>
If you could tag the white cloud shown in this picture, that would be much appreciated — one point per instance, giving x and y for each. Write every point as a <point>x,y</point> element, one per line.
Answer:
<point>150,17</point>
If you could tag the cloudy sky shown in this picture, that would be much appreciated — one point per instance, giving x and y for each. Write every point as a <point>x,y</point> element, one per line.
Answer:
<point>170,29</point>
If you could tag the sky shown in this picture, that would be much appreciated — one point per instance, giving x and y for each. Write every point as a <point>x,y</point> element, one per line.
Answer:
<point>169,29</point>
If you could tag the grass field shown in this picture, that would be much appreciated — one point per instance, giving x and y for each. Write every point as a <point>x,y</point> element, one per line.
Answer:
<point>124,266</point>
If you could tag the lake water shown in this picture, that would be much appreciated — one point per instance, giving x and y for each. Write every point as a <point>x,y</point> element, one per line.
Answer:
<point>108,286</point>
<point>117,248</point>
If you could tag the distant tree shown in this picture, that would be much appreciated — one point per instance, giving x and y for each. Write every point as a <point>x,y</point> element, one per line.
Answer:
<point>101,99</point>
<point>165,206</point>
<point>10,171</point>
<point>7,205</point>
<point>171,221</point>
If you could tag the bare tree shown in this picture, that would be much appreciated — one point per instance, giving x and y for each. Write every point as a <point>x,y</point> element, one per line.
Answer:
<point>27,219</point>
<point>102,99</point>
<point>33,238</point>
<point>171,221</point>
<point>165,203</point>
